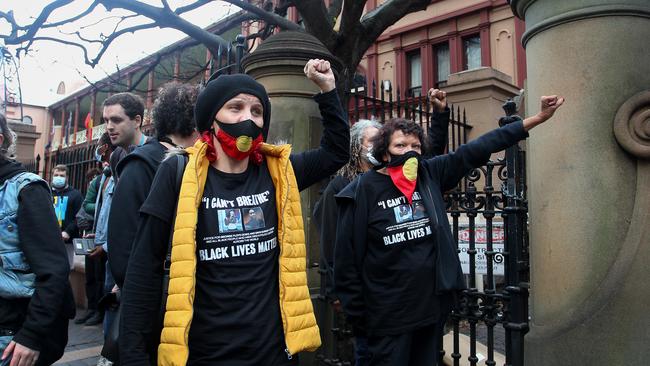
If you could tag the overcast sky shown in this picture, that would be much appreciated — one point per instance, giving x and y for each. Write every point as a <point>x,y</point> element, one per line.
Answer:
<point>49,63</point>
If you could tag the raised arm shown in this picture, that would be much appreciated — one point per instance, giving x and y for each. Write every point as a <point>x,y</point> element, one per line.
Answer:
<point>451,168</point>
<point>438,129</point>
<point>334,150</point>
<point>550,104</point>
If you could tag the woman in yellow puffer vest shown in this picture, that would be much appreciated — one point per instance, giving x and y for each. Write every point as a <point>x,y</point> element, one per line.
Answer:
<point>238,290</point>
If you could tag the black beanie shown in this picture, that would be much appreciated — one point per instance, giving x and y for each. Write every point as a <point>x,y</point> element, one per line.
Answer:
<point>220,90</point>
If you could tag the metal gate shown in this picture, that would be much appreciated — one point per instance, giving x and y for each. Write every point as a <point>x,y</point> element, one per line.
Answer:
<point>488,217</point>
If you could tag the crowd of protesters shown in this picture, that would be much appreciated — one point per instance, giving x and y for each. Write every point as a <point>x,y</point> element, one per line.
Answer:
<point>194,239</point>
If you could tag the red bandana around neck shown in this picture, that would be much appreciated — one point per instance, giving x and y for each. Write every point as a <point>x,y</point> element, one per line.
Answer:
<point>241,147</point>
<point>211,154</point>
<point>405,177</point>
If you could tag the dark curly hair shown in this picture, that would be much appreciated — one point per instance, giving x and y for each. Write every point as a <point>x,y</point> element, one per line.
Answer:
<point>173,110</point>
<point>131,103</point>
<point>381,141</point>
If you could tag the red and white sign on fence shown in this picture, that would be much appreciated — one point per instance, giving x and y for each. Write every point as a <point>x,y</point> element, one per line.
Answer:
<point>480,240</point>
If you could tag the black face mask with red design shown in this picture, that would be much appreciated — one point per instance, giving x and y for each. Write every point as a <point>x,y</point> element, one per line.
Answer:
<point>239,140</point>
<point>403,171</point>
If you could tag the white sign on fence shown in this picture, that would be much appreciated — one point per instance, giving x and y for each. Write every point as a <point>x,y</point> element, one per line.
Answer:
<point>480,237</point>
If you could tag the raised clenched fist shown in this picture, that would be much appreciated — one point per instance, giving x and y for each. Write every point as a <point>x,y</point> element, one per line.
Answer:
<point>320,72</point>
<point>549,105</point>
<point>438,98</point>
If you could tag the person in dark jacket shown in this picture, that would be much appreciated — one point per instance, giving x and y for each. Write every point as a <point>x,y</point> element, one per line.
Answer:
<point>325,210</point>
<point>249,304</point>
<point>395,279</point>
<point>36,300</point>
<point>173,118</point>
<point>67,201</point>
<point>95,261</point>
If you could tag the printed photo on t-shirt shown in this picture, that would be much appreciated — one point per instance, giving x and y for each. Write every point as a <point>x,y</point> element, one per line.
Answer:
<point>253,218</point>
<point>403,213</point>
<point>418,210</point>
<point>230,220</point>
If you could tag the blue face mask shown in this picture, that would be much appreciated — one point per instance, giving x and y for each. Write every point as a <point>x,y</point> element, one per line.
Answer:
<point>58,182</point>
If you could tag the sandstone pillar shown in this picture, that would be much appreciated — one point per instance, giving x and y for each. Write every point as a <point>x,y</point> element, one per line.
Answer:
<point>589,181</point>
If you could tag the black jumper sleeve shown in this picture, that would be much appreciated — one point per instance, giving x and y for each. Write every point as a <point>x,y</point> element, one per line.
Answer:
<point>438,133</point>
<point>130,193</point>
<point>325,219</point>
<point>40,241</point>
<point>71,213</point>
<point>334,151</point>
<point>349,251</point>
<point>452,167</point>
<point>141,295</point>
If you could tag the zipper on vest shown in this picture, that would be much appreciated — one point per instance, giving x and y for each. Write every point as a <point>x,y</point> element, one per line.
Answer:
<point>283,315</point>
<point>289,356</point>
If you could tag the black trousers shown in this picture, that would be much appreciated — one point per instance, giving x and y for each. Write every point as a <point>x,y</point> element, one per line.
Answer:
<point>95,274</point>
<point>416,348</point>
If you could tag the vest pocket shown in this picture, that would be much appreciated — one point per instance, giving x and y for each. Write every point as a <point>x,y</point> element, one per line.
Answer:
<point>16,279</point>
<point>14,261</point>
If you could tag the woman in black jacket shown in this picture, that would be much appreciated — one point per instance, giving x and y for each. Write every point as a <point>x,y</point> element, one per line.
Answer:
<point>395,278</point>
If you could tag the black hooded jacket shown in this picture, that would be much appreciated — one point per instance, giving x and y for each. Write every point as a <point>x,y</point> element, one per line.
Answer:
<point>393,303</point>
<point>325,210</point>
<point>135,174</point>
<point>40,322</point>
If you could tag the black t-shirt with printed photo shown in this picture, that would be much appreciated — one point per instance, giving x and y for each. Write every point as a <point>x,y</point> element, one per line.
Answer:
<point>398,269</point>
<point>237,313</point>
<point>236,319</point>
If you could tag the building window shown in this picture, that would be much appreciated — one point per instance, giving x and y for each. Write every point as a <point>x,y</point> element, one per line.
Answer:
<point>441,57</point>
<point>471,52</point>
<point>414,62</point>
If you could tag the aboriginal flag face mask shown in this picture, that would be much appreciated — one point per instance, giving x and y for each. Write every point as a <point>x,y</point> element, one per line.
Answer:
<point>403,171</point>
<point>239,140</point>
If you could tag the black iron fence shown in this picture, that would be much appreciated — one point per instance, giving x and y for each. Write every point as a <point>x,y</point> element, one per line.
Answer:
<point>381,104</point>
<point>488,217</point>
<point>489,213</point>
<point>79,159</point>
<point>34,165</point>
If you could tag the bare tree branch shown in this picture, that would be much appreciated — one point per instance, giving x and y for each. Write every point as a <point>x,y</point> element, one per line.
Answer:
<point>190,7</point>
<point>357,31</point>
<point>14,38</point>
<point>107,42</point>
<point>314,16</point>
<point>76,17</point>
<point>169,19</point>
<point>52,39</point>
<point>266,16</point>
<point>107,18</point>
<point>166,5</point>
<point>352,10</point>
<point>78,34</point>
<point>377,21</point>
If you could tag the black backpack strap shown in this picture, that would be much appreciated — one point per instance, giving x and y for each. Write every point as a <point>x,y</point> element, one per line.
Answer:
<point>181,162</point>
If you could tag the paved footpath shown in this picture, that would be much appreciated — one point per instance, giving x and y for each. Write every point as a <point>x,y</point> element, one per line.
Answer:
<point>84,344</point>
